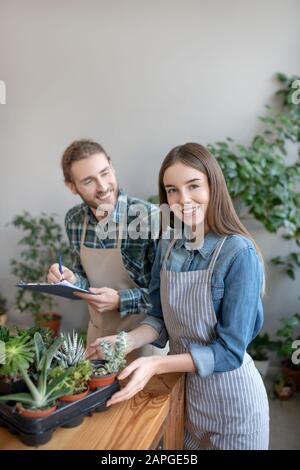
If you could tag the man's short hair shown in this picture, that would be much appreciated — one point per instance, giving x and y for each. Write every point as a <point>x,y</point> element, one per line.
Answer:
<point>79,150</point>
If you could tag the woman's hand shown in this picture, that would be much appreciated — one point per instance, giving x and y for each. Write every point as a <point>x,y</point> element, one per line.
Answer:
<point>94,350</point>
<point>142,369</point>
<point>101,299</point>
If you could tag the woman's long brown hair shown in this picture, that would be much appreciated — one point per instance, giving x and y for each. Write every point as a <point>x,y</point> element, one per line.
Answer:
<point>221,215</point>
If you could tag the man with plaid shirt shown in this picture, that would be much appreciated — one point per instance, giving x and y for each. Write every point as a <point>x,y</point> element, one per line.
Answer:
<point>112,254</point>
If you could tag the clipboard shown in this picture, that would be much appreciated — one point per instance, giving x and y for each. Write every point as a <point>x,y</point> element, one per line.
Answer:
<point>61,289</point>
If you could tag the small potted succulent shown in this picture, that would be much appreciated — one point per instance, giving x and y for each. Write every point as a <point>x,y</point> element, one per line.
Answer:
<point>70,357</point>
<point>105,372</point>
<point>43,393</point>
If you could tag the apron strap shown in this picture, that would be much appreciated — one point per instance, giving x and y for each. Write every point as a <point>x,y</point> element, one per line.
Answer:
<point>83,230</point>
<point>212,261</point>
<point>216,254</point>
<point>120,234</point>
<point>119,238</point>
<point>166,256</point>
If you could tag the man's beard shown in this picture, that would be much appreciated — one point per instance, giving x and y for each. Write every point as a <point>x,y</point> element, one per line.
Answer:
<point>97,205</point>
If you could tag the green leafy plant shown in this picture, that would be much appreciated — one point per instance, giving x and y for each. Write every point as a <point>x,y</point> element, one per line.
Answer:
<point>42,242</point>
<point>260,180</point>
<point>114,356</point>
<point>43,393</point>
<point>259,348</point>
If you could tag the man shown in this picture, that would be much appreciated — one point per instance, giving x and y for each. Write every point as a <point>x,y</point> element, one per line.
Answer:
<point>114,266</point>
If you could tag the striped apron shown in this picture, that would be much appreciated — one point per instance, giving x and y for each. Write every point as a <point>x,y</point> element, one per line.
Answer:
<point>226,410</point>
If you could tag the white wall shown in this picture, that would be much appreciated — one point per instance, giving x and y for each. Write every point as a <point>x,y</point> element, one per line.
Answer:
<point>140,77</point>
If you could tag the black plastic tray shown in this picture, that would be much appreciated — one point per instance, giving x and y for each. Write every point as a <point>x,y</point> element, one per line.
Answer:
<point>16,386</point>
<point>38,431</point>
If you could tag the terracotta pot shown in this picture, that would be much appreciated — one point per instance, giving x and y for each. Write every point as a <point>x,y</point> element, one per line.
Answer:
<point>34,413</point>
<point>75,397</point>
<point>53,324</point>
<point>98,382</point>
<point>291,373</point>
<point>284,393</point>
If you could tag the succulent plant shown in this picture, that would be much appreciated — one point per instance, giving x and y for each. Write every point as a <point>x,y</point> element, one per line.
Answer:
<point>71,351</point>
<point>79,375</point>
<point>43,393</point>
<point>114,356</point>
<point>19,354</point>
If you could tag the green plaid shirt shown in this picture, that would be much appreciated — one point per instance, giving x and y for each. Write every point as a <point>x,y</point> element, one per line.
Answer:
<point>138,255</point>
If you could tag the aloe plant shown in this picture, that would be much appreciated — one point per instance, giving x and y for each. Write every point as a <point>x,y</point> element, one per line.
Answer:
<point>45,392</point>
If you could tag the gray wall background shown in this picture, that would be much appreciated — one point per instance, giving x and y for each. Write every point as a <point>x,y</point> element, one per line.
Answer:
<point>140,77</point>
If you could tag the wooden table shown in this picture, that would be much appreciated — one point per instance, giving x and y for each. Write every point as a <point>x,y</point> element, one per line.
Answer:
<point>153,414</point>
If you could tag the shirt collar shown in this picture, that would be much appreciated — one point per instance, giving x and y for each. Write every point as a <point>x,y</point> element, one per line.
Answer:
<point>116,214</point>
<point>210,242</point>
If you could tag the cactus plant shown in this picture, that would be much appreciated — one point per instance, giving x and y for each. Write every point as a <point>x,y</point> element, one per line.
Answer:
<point>113,355</point>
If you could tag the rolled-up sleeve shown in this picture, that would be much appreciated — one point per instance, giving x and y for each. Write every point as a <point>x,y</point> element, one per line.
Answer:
<point>241,313</point>
<point>155,316</point>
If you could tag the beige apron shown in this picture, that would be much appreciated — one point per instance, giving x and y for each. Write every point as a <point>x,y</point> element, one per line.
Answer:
<point>104,267</point>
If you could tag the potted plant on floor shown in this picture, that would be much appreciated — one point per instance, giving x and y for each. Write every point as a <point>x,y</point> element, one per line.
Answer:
<point>71,356</point>
<point>289,333</point>
<point>42,241</point>
<point>105,372</point>
<point>284,387</point>
<point>259,351</point>
<point>3,310</point>
<point>42,396</point>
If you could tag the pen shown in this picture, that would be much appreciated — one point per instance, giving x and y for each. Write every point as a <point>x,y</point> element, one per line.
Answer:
<point>60,267</point>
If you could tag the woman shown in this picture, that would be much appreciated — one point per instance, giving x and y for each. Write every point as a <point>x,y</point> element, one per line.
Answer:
<point>206,294</point>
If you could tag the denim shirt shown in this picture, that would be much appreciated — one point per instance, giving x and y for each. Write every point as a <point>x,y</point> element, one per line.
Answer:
<point>236,286</point>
